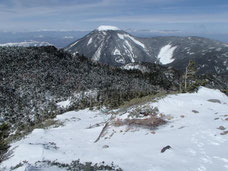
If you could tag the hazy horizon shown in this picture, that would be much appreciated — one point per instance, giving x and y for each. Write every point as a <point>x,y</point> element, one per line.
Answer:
<point>191,16</point>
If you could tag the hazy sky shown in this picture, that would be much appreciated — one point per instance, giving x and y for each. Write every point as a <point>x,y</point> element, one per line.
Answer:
<point>207,16</point>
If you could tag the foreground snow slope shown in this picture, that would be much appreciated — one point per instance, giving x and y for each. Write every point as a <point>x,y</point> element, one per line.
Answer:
<point>192,132</point>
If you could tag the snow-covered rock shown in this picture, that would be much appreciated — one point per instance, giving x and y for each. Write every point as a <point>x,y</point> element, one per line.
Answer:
<point>136,66</point>
<point>64,104</point>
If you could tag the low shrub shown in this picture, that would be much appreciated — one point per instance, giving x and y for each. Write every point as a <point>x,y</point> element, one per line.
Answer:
<point>151,123</point>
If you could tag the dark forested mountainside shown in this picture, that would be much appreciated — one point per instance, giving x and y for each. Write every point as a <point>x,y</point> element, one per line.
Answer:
<point>33,79</point>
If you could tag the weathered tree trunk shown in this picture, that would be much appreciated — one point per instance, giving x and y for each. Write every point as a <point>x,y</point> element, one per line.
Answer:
<point>102,132</point>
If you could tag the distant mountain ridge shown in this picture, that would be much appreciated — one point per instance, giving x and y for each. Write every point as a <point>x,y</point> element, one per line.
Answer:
<point>113,46</point>
<point>26,44</point>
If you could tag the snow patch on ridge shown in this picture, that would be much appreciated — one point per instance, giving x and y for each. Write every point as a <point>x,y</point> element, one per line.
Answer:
<point>136,41</point>
<point>120,59</point>
<point>106,28</point>
<point>90,41</point>
<point>132,66</point>
<point>165,55</point>
<point>128,45</point>
<point>72,45</point>
<point>123,36</point>
<point>129,50</point>
<point>97,55</point>
<point>116,52</point>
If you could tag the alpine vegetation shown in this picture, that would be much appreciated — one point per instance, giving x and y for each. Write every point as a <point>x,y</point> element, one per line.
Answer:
<point>38,83</point>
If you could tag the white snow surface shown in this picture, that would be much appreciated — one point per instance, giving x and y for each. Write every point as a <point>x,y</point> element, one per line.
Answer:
<point>106,28</point>
<point>64,104</point>
<point>72,45</point>
<point>197,144</point>
<point>90,41</point>
<point>97,54</point>
<point>129,50</point>
<point>120,59</point>
<point>116,52</point>
<point>123,36</point>
<point>165,55</point>
<point>26,44</point>
<point>132,66</point>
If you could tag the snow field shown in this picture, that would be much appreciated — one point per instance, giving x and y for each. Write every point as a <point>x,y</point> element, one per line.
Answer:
<point>165,55</point>
<point>192,132</point>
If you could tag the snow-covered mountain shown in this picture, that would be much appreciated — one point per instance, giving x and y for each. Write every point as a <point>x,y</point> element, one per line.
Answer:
<point>113,46</point>
<point>110,45</point>
<point>27,44</point>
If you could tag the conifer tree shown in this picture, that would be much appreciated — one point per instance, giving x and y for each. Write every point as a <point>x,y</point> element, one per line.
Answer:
<point>190,72</point>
